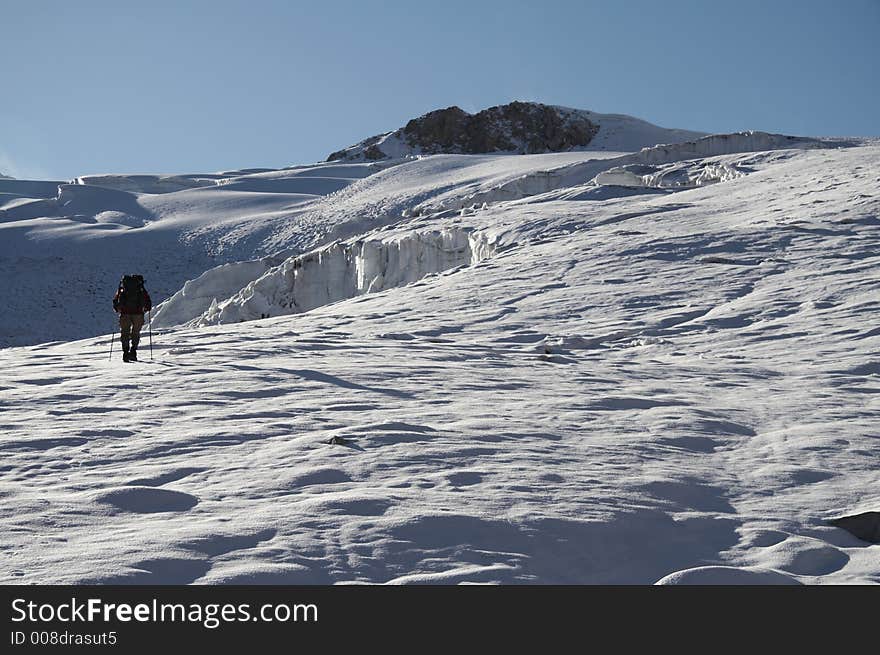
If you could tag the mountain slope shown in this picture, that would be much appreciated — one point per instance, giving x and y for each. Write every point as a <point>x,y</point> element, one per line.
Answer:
<point>640,383</point>
<point>434,189</point>
<point>176,229</point>
<point>63,247</point>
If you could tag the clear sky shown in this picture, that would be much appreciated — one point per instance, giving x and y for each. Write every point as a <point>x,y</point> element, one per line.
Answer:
<point>186,86</point>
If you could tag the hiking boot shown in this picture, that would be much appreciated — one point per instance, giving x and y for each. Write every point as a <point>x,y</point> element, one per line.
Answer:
<point>132,355</point>
<point>125,356</point>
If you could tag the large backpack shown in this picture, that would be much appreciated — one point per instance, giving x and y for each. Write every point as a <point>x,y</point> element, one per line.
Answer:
<point>131,291</point>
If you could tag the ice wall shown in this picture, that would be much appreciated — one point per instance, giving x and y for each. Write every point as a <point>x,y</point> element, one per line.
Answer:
<point>344,270</point>
<point>196,296</point>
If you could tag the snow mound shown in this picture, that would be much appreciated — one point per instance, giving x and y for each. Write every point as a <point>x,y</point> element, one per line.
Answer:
<point>345,270</point>
<point>26,198</point>
<point>726,575</point>
<point>146,500</point>
<point>805,556</point>
<point>89,201</point>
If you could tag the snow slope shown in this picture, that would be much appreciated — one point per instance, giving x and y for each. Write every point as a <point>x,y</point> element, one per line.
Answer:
<point>454,182</point>
<point>382,199</point>
<point>672,383</point>
<point>63,247</point>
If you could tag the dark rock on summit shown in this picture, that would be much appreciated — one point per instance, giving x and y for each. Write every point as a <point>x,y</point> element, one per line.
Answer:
<point>518,127</point>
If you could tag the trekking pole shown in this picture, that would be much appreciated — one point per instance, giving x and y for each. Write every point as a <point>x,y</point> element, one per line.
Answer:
<point>112,337</point>
<point>150,331</point>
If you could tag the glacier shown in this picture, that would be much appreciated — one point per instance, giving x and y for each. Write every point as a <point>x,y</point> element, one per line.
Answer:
<point>621,366</point>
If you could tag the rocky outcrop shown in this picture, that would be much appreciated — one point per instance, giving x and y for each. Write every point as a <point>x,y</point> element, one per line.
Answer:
<point>518,127</point>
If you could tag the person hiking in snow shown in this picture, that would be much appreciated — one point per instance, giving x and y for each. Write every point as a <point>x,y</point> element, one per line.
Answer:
<point>130,302</point>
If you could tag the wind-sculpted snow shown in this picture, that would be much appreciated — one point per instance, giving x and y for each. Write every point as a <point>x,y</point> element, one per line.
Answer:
<point>662,386</point>
<point>344,270</point>
<point>147,183</point>
<point>727,575</point>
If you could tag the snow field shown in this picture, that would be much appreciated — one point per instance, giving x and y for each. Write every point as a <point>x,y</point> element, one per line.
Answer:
<point>84,237</point>
<point>674,387</point>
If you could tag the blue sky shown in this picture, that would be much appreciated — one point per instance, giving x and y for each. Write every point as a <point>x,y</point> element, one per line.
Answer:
<point>101,86</point>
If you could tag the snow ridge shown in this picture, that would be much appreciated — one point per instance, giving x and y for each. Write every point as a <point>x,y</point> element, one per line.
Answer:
<point>147,183</point>
<point>580,173</point>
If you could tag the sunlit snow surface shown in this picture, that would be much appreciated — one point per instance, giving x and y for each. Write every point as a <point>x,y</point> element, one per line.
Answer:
<point>676,385</point>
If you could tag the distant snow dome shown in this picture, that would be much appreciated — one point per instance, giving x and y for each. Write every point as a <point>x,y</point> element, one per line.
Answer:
<point>514,128</point>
